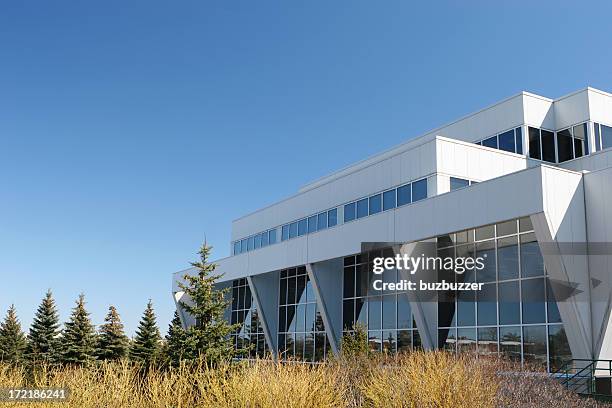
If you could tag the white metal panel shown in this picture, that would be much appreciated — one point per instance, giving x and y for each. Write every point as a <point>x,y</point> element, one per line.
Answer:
<point>539,111</point>
<point>572,109</point>
<point>600,106</point>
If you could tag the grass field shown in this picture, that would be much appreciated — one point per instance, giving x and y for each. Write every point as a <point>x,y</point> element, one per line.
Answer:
<point>419,379</point>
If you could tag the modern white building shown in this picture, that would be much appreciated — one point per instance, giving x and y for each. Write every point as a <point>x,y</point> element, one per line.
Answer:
<point>526,181</point>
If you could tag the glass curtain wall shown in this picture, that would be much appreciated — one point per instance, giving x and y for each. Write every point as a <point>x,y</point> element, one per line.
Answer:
<point>301,332</point>
<point>515,313</point>
<point>250,333</point>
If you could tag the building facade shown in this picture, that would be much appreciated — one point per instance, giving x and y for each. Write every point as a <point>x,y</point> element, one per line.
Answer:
<point>525,183</point>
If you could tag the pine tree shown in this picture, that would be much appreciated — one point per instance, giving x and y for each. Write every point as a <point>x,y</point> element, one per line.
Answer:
<point>112,342</point>
<point>12,339</point>
<point>175,341</point>
<point>78,337</point>
<point>42,340</point>
<point>209,338</point>
<point>145,346</point>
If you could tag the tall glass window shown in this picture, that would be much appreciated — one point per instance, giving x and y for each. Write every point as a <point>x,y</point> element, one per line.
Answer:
<point>515,313</point>
<point>606,136</point>
<point>548,146</point>
<point>250,334</point>
<point>301,332</point>
<point>535,151</point>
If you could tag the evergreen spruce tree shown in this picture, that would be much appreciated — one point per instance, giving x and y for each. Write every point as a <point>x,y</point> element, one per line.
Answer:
<point>175,341</point>
<point>146,343</point>
<point>209,338</point>
<point>112,342</point>
<point>79,336</point>
<point>42,341</point>
<point>12,339</point>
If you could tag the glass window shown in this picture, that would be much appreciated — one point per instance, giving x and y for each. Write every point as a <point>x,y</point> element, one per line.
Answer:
<point>293,230</point>
<point>374,313</point>
<point>349,212</point>
<point>506,141</point>
<point>534,143</point>
<point>466,340</point>
<point>272,236</point>
<point>349,281</point>
<point>565,146</point>
<point>361,311</point>
<point>375,340</point>
<point>348,314</point>
<point>243,245</point>
<point>302,227</point>
<point>519,140</point>
<point>510,342</point>
<point>312,224</point>
<point>375,204</point>
<point>506,228</point>
<point>486,232</point>
<point>332,217</point>
<point>264,239</point>
<point>419,190</point>
<point>534,345</point>
<point>362,280</point>
<point>508,258</point>
<point>490,142</point>
<point>581,141</point>
<point>404,313</point>
<point>466,308</point>
<point>403,195</point>
<point>362,208</point>
<point>285,232</point>
<point>257,241</point>
<point>456,183</point>
<point>525,224</point>
<point>447,339</point>
<point>487,340</point>
<point>509,303</point>
<point>388,200</point>
<point>532,263</point>
<point>389,312</point>
<point>322,221</point>
<point>486,251</point>
<point>404,340</point>
<point>606,137</point>
<point>597,137</point>
<point>250,243</point>
<point>487,305</point>
<point>532,296</point>
<point>548,146</point>
<point>558,347</point>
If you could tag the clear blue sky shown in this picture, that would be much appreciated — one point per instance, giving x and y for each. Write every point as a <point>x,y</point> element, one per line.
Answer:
<point>130,129</point>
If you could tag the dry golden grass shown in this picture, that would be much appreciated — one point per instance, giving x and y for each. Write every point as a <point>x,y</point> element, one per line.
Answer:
<point>433,379</point>
<point>419,379</point>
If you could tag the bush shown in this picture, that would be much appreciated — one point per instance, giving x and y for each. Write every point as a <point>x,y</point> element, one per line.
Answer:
<point>419,379</point>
